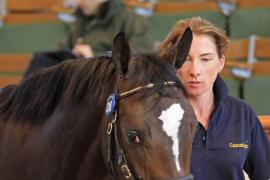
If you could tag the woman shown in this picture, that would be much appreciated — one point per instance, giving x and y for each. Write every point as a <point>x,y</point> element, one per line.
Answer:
<point>229,138</point>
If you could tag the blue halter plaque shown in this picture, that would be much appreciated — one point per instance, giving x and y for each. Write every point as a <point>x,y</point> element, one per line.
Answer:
<point>110,105</point>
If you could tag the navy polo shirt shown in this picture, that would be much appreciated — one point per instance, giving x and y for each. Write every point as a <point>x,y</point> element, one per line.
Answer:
<point>235,140</point>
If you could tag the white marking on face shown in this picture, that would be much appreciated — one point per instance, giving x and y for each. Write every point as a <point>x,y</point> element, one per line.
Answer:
<point>171,121</point>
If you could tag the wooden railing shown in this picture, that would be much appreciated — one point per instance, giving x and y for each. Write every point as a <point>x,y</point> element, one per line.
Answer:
<point>174,6</point>
<point>19,18</point>
<point>165,7</point>
<point>185,6</point>
<point>29,11</point>
<point>265,120</point>
<point>239,48</point>
<point>238,53</point>
<point>252,3</point>
<point>12,67</point>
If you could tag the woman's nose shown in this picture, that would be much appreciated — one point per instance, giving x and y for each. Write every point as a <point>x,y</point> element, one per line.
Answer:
<point>195,69</point>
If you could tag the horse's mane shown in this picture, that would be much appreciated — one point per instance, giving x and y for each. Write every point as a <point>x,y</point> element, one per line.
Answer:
<point>36,97</point>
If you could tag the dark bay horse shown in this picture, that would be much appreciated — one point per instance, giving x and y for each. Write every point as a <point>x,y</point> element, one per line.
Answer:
<point>111,117</point>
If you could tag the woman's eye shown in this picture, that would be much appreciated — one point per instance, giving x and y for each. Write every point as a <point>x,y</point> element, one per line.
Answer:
<point>133,136</point>
<point>206,59</point>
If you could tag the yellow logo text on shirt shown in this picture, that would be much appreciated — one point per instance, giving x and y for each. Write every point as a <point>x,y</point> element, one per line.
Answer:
<point>241,145</point>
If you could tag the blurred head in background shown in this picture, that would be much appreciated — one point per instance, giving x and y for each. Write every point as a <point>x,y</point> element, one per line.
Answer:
<point>90,7</point>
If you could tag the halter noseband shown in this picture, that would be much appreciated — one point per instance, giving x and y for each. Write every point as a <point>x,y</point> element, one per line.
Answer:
<point>113,135</point>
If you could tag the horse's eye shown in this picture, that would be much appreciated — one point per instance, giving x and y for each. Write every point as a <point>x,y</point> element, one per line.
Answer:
<point>133,136</point>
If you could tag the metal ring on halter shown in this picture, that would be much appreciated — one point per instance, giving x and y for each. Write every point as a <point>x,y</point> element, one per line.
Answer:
<point>110,125</point>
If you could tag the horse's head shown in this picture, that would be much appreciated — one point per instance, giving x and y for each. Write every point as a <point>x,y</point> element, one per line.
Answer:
<point>150,123</point>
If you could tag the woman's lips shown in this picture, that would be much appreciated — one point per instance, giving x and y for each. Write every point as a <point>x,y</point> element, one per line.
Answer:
<point>194,84</point>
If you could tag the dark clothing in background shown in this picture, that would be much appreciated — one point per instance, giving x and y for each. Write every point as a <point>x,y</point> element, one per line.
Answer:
<point>43,60</point>
<point>99,31</point>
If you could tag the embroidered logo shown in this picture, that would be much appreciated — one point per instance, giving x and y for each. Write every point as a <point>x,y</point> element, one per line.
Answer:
<point>239,145</point>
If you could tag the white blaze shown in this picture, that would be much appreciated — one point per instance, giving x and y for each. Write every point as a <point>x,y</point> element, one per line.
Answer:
<point>171,120</point>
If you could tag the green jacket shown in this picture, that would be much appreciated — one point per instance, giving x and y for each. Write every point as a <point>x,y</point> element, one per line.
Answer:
<point>100,30</point>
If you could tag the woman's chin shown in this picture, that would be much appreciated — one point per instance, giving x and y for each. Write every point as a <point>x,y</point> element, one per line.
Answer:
<point>194,92</point>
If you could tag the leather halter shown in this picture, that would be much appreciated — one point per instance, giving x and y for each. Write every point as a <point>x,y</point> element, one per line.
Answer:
<point>116,151</point>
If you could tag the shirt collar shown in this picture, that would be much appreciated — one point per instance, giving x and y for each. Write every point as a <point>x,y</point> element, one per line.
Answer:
<point>220,90</point>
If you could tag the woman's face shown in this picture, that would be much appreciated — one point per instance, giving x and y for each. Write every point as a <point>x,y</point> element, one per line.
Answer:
<point>89,7</point>
<point>201,67</point>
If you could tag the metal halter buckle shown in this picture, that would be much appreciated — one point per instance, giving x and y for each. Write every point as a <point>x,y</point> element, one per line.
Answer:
<point>126,171</point>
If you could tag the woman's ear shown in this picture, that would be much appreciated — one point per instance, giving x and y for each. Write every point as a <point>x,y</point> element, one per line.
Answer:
<point>221,63</point>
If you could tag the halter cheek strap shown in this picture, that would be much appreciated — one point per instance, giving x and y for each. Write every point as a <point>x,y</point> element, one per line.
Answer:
<point>118,152</point>
<point>115,151</point>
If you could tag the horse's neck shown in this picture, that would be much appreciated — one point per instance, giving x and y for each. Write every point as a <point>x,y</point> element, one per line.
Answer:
<point>77,134</point>
<point>67,144</point>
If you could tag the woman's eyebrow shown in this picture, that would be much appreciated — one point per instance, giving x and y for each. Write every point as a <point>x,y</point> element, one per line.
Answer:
<point>206,54</point>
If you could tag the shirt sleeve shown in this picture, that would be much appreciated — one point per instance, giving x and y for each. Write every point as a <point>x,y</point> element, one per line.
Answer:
<point>257,164</point>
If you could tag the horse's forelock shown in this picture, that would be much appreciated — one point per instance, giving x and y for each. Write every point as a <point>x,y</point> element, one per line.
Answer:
<point>151,68</point>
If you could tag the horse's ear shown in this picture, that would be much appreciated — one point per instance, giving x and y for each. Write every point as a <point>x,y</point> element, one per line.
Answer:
<point>121,53</point>
<point>177,54</point>
<point>182,48</point>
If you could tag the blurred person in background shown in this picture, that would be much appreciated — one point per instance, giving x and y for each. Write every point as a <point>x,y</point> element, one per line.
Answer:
<point>229,136</point>
<point>92,32</point>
